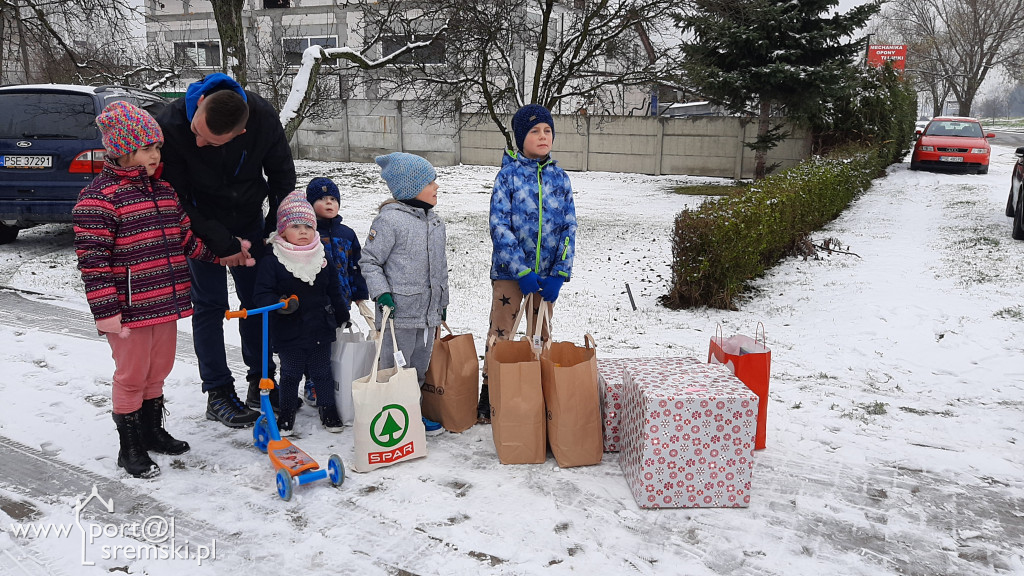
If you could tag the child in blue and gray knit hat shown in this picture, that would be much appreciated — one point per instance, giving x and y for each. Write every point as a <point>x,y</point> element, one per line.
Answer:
<point>404,262</point>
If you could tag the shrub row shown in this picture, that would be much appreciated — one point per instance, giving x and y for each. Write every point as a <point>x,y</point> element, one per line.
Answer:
<point>724,243</point>
<point>720,246</point>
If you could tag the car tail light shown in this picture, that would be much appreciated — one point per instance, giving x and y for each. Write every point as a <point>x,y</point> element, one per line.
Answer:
<point>88,162</point>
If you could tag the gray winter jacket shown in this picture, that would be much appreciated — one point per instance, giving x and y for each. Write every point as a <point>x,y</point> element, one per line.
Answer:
<point>404,254</point>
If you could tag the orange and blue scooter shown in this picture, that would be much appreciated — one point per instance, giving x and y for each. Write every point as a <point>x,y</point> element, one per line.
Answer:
<point>294,467</point>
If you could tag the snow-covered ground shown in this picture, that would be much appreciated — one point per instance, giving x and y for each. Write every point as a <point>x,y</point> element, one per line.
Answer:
<point>894,433</point>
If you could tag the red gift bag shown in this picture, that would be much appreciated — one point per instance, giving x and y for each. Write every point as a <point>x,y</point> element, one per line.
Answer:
<point>751,361</point>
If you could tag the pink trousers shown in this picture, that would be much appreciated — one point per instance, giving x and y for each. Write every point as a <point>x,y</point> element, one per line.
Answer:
<point>141,362</point>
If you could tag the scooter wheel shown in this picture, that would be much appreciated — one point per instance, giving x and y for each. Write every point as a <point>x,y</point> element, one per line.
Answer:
<point>284,484</point>
<point>335,470</point>
<point>261,434</point>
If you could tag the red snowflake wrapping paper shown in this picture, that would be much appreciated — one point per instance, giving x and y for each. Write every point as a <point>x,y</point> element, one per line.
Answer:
<point>610,381</point>
<point>687,436</point>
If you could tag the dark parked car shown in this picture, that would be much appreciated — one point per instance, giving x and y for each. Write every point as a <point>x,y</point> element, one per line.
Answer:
<point>1015,203</point>
<point>50,148</point>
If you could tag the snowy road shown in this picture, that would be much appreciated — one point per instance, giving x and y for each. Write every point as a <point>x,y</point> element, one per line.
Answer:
<point>894,430</point>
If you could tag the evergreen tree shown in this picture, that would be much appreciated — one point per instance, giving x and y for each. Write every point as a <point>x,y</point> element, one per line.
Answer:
<point>759,57</point>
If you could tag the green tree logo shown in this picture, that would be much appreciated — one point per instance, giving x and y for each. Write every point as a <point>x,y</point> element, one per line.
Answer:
<point>392,431</point>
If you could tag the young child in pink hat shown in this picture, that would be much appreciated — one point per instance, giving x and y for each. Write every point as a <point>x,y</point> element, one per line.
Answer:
<point>301,335</point>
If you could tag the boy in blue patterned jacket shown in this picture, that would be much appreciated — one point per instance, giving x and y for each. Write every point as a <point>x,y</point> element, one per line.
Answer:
<point>341,247</point>
<point>533,229</point>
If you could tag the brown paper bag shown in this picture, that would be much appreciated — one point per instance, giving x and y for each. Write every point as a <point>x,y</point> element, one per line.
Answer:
<point>518,422</point>
<point>573,401</point>
<point>451,387</point>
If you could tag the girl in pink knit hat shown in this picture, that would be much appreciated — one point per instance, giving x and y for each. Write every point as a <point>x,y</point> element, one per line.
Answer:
<point>132,238</point>
<point>295,264</point>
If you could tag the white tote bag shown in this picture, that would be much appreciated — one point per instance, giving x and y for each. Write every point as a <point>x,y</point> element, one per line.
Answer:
<point>388,425</point>
<point>351,357</point>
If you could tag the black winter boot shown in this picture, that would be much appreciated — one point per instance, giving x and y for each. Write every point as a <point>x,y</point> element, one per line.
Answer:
<point>483,407</point>
<point>132,456</point>
<point>154,437</point>
<point>252,398</point>
<point>223,405</point>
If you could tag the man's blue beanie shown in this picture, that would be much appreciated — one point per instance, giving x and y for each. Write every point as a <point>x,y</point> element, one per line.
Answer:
<point>526,118</point>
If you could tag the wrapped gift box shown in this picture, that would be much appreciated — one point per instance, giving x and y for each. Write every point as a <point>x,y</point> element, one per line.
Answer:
<point>610,381</point>
<point>687,435</point>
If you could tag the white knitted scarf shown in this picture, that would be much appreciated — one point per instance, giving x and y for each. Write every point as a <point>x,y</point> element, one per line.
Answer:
<point>304,262</point>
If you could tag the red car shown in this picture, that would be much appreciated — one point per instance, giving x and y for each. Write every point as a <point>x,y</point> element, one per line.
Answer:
<point>952,143</point>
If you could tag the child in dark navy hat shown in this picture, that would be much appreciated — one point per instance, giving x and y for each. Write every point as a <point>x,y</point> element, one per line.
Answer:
<point>341,248</point>
<point>528,257</point>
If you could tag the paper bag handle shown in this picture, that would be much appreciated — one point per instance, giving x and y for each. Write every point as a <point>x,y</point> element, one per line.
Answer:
<point>519,317</point>
<point>588,341</point>
<point>538,328</point>
<point>718,334</point>
<point>764,342</point>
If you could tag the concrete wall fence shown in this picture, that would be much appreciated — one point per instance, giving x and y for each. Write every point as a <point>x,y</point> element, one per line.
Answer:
<point>695,145</point>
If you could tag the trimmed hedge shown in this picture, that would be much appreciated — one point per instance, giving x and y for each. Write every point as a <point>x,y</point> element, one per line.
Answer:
<point>725,242</point>
<point>720,246</point>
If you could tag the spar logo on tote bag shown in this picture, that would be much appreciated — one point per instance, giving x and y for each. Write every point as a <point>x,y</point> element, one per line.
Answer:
<point>387,430</point>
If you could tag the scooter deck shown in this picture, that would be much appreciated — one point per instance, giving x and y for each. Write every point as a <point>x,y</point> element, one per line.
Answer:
<point>285,455</point>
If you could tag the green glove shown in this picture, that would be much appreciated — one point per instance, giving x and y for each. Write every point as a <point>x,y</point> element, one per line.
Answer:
<point>385,299</point>
<point>444,315</point>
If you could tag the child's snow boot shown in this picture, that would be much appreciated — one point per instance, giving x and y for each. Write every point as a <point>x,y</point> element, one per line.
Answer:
<point>330,419</point>
<point>286,423</point>
<point>132,456</point>
<point>483,407</point>
<point>432,428</point>
<point>252,398</point>
<point>154,437</point>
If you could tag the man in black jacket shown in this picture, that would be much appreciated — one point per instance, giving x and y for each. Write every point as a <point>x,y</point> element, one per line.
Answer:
<point>226,154</point>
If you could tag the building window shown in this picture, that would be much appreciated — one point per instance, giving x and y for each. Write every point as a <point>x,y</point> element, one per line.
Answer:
<point>276,4</point>
<point>203,54</point>
<point>294,47</point>
<point>433,54</point>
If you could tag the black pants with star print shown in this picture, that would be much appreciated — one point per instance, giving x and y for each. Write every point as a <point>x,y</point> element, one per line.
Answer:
<point>506,299</point>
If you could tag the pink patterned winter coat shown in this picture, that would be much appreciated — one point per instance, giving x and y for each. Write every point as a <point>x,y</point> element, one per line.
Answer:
<point>132,238</point>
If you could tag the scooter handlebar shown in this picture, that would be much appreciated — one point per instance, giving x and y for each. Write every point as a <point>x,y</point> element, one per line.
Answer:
<point>244,313</point>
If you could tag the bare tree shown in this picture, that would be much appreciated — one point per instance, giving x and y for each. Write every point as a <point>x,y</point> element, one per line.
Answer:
<point>497,55</point>
<point>302,96</point>
<point>273,77</point>
<point>228,14</point>
<point>80,41</point>
<point>954,44</point>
